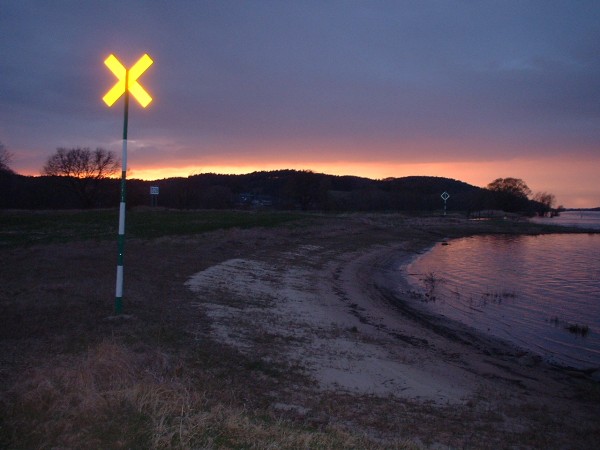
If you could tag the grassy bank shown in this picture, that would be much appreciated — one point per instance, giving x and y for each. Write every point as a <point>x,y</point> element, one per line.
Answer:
<point>74,376</point>
<point>43,227</point>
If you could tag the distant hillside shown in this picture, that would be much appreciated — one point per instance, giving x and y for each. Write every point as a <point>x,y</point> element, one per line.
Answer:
<point>280,189</point>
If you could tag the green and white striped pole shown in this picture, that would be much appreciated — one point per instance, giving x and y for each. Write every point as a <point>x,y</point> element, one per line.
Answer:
<point>127,82</point>
<point>121,236</point>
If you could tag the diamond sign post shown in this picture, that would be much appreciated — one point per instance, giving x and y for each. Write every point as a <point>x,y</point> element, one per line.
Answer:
<point>126,84</point>
<point>445,196</point>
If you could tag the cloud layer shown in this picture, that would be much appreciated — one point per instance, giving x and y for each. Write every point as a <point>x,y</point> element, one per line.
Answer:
<point>307,83</point>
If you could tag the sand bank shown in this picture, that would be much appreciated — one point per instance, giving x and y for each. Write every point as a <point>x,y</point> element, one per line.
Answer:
<point>343,318</point>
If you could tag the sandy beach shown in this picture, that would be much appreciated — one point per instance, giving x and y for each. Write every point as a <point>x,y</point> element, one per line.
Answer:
<point>332,321</point>
<point>313,326</point>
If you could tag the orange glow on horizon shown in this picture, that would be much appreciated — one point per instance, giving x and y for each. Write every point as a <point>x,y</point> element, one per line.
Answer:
<point>366,170</point>
<point>574,188</point>
<point>476,173</point>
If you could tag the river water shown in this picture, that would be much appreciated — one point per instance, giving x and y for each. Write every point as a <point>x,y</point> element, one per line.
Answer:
<point>541,293</point>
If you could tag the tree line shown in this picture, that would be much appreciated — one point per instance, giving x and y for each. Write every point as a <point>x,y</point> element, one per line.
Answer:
<point>82,178</point>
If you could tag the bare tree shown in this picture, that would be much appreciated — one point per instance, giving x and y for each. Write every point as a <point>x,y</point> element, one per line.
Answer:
<point>81,163</point>
<point>81,169</point>
<point>5,159</point>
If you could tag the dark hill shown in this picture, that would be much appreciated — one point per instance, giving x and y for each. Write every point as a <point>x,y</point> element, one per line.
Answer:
<point>282,189</point>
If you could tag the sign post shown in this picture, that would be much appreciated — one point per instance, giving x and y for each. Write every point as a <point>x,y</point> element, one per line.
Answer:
<point>445,196</point>
<point>154,195</point>
<point>126,84</point>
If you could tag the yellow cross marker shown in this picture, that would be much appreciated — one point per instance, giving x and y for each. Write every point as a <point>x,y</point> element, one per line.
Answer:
<point>131,76</point>
<point>126,84</point>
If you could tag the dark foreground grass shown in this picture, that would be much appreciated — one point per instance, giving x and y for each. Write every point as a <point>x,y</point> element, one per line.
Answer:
<point>118,397</point>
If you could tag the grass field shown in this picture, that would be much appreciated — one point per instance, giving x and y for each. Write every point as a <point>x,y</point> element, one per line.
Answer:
<point>42,227</point>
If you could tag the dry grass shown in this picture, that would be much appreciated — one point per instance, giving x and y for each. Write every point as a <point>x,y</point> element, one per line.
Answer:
<point>116,397</point>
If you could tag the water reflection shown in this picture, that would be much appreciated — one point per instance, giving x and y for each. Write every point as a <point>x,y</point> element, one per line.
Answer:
<point>539,292</point>
<point>581,219</point>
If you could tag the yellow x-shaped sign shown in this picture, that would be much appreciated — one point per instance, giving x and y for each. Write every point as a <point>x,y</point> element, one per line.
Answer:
<point>131,76</point>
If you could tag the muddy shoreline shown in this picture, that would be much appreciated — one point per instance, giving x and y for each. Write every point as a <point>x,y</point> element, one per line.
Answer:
<point>395,287</point>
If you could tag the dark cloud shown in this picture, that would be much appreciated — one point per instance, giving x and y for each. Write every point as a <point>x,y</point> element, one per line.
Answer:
<point>521,76</point>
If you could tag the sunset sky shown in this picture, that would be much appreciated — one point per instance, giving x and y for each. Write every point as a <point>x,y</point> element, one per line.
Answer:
<point>471,90</point>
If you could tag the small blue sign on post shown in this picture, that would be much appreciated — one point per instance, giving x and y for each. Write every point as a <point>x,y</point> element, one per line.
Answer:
<point>153,195</point>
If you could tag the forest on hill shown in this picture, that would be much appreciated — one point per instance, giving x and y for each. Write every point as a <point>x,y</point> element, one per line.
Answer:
<point>280,189</point>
